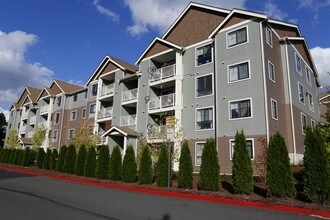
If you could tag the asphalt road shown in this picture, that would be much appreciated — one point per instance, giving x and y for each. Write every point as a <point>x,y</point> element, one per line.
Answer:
<point>31,197</point>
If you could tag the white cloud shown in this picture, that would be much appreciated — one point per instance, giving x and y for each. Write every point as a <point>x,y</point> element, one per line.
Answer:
<point>314,6</point>
<point>15,71</point>
<point>273,11</point>
<point>5,112</point>
<point>321,58</point>
<point>105,11</point>
<point>162,13</point>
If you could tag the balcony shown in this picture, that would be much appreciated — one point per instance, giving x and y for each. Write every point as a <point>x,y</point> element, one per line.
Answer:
<point>32,119</point>
<point>161,102</point>
<point>128,120</point>
<point>30,134</point>
<point>43,124</point>
<point>104,113</point>
<point>157,132</point>
<point>25,114</point>
<point>22,129</point>
<point>106,90</point>
<point>44,109</point>
<point>129,95</point>
<point>162,73</point>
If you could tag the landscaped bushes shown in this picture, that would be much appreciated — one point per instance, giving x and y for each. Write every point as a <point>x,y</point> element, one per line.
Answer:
<point>80,162</point>
<point>162,168</point>
<point>115,167</point>
<point>129,166</point>
<point>70,159</point>
<point>145,171</point>
<point>53,160</point>
<point>90,163</point>
<point>48,155</point>
<point>61,158</point>
<point>102,164</point>
<point>185,176</point>
<point>40,158</point>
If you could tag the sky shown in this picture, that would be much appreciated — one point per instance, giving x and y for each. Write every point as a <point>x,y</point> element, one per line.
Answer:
<point>67,39</point>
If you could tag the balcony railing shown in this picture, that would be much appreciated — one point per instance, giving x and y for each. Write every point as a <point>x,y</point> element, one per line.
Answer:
<point>163,101</point>
<point>163,73</point>
<point>32,119</point>
<point>43,124</point>
<point>30,134</point>
<point>129,95</point>
<point>128,120</point>
<point>25,114</point>
<point>104,113</point>
<point>44,109</point>
<point>22,128</point>
<point>106,90</point>
<point>157,132</point>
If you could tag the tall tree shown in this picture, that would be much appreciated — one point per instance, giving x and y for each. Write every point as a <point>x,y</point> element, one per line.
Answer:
<point>90,163</point>
<point>102,164</point>
<point>185,177</point>
<point>85,136</point>
<point>162,167</point>
<point>80,162</point>
<point>129,165</point>
<point>12,139</point>
<point>145,171</point>
<point>115,167</point>
<point>3,124</point>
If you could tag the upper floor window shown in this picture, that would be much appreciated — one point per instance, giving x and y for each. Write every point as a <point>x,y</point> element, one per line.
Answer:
<point>94,89</point>
<point>57,118</point>
<point>54,136</point>
<point>313,123</point>
<point>204,85</point>
<point>75,97</point>
<point>301,93</point>
<point>310,101</point>
<point>73,115</point>
<point>271,71</point>
<point>269,38</point>
<point>240,109</point>
<point>249,143</point>
<point>237,37</point>
<point>85,94</point>
<point>308,76</point>
<point>71,133</point>
<point>239,72</point>
<point>92,109</point>
<point>204,118</point>
<point>11,112</point>
<point>274,109</point>
<point>303,122</point>
<point>203,55</point>
<point>59,101</point>
<point>298,64</point>
<point>198,153</point>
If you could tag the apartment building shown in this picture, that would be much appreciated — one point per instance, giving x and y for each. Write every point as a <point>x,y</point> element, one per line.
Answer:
<point>214,72</point>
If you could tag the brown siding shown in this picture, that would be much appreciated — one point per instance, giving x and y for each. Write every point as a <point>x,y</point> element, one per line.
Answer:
<point>22,98</point>
<point>75,124</point>
<point>158,47</point>
<point>44,94</point>
<point>27,100</point>
<point>55,89</point>
<point>299,45</point>
<point>285,31</point>
<point>235,19</point>
<point>110,67</point>
<point>192,27</point>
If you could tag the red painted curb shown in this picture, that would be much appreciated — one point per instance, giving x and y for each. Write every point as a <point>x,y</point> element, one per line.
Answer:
<point>260,205</point>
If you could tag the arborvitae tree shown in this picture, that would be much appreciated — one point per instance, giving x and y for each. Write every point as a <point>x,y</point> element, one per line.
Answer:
<point>210,168</point>
<point>19,157</point>
<point>90,163</point>
<point>1,152</point>
<point>185,175</point>
<point>129,165</point>
<point>70,159</point>
<point>145,172</point>
<point>115,166</point>
<point>7,155</point>
<point>53,159</point>
<point>316,167</point>
<point>242,166</point>
<point>80,162</point>
<point>33,155</point>
<point>12,156</point>
<point>46,164</point>
<point>26,157</point>
<point>162,168</point>
<point>61,158</point>
<point>279,176</point>
<point>102,164</point>
<point>40,158</point>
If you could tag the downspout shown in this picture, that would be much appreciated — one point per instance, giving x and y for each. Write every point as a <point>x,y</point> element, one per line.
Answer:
<point>215,95</point>
<point>62,119</point>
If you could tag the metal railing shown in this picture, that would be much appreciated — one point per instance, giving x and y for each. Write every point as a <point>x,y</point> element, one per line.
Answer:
<point>25,114</point>
<point>30,134</point>
<point>129,95</point>
<point>162,101</point>
<point>128,120</point>
<point>44,109</point>
<point>157,132</point>
<point>163,73</point>
<point>22,128</point>
<point>105,113</point>
<point>32,119</point>
<point>106,90</point>
<point>43,124</point>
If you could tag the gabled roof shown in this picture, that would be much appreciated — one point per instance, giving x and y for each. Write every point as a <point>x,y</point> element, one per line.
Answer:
<point>14,106</point>
<point>34,93</point>
<point>27,100</point>
<point>125,131</point>
<point>65,87</point>
<point>28,90</point>
<point>115,61</point>
<point>324,96</point>
<point>25,141</point>
<point>46,90</point>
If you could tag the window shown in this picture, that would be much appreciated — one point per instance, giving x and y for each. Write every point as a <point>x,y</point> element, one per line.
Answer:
<point>9,127</point>
<point>204,85</point>
<point>83,113</point>
<point>310,101</point>
<point>73,115</point>
<point>298,64</point>
<point>301,93</point>
<point>271,71</point>
<point>308,76</point>
<point>240,109</point>
<point>237,37</point>
<point>57,118</point>
<point>249,143</point>
<point>274,109</point>
<point>313,123</point>
<point>239,72</point>
<point>94,89</point>
<point>86,94</point>
<point>54,136</point>
<point>11,112</point>
<point>59,101</point>
<point>204,118</point>
<point>303,122</point>
<point>269,38</point>
<point>75,97</point>
<point>71,133</point>
<point>92,110</point>
<point>198,153</point>
<point>204,55</point>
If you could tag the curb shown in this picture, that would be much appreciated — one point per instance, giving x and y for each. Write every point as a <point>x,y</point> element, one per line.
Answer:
<point>245,203</point>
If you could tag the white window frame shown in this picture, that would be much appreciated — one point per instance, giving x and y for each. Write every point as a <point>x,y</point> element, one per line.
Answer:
<point>71,114</point>
<point>82,113</point>
<point>73,130</point>
<point>231,153</point>
<point>89,112</point>
<point>236,29</point>
<point>276,109</point>
<point>59,115</point>
<point>199,46</point>
<point>73,97</point>
<point>61,100</point>
<point>310,101</point>
<point>92,86</point>
<point>308,76</point>
<point>239,100</point>
<point>313,123</point>
<point>207,129</point>
<point>236,64</point>
<point>269,37</point>
<point>270,64</point>
<point>196,85</point>
<point>302,115</point>
<point>296,62</point>
<point>196,143</point>
<point>303,93</point>
<point>56,139</point>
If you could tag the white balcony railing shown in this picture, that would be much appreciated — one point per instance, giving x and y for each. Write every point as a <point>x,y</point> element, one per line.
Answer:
<point>129,95</point>
<point>163,101</point>
<point>22,128</point>
<point>157,132</point>
<point>44,109</point>
<point>163,73</point>
<point>104,113</point>
<point>106,90</point>
<point>42,124</point>
<point>103,140</point>
<point>128,120</point>
<point>25,114</point>
<point>32,119</point>
<point>30,134</point>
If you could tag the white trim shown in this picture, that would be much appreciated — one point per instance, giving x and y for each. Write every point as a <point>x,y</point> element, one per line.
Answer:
<point>230,148</point>
<point>236,64</point>
<point>199,44</point>
<point>309,99</point>
<point>73,119</point>
<point>284,23</point>
<point>297,55</point>
<point>301,124</point>
<point>54,81</point>
<point>271,106</point>
<point>71,129</point>
<point>270,63</point>
<point>211,54</point>
<point>95,71</point>
<point>308,70</point>
<point>303,93</point>
<point>198,142</point>
<point>57,136</point>
<point>44,89</point>
<point>76,94</point>
<point>239,44</point>
<point>109,73</point>
<point>270,36</point>
<point>313,122</point>
<point>114,128</point>
<point>196,85</point>
<point>239,100</point>
<point>57,113</point>
<point>89,111</point>
<point>156,55</point>
<point>213,122</point>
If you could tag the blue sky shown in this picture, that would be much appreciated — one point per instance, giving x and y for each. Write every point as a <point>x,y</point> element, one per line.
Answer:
<point>67,39</point>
